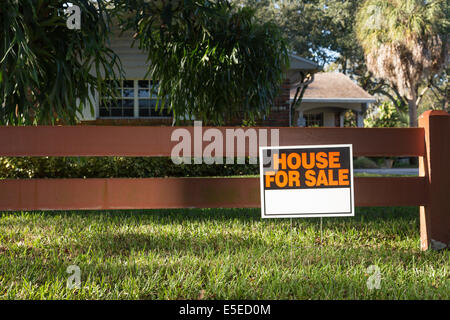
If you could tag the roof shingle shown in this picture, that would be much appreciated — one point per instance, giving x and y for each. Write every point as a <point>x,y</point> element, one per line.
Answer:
<point>329,86</point>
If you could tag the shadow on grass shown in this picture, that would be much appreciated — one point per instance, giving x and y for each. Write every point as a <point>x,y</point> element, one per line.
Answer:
<point>221,214</point>
<point>200,242</point>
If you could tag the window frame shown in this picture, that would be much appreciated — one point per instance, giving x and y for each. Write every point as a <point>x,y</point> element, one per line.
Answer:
<point>319,115</point>
<point>135,100</point>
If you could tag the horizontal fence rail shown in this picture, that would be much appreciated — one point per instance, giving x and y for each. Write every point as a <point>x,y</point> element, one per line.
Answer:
<point>156,141</point>
<point>158,193</point>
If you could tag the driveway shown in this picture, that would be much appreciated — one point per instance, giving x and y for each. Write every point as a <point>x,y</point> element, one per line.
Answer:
<point>401,171</point>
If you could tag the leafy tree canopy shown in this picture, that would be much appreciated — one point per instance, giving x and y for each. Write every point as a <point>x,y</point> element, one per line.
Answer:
<point>320,30</point>
<point>212,60</point>
<point>405,43</point>
<point>385,116</point>
<point>46,70</point>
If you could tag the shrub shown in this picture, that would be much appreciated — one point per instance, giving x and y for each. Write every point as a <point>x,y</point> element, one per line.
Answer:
<point>385,116</point>
<point>364,163</point>
<point>113,167</point>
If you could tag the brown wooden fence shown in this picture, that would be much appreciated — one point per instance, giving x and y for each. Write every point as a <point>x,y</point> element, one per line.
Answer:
<point>430,142</point>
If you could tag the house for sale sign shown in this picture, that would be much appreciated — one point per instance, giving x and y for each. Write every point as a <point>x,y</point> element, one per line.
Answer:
<point>306,181</point>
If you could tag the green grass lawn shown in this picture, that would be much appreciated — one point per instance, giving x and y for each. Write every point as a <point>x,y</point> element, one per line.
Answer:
<point>217,254</point>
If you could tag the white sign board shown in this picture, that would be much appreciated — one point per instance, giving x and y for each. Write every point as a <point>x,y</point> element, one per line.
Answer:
<point>307,181</point>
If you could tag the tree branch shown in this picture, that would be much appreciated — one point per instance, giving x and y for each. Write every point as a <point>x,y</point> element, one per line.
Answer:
<point>419,98</point>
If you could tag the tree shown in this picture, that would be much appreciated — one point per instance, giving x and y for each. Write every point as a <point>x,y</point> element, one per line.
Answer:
<point>385,116</point>
<point>48,71</point>
<point>213,61</point>
<point>405,43</point>
<point>320,30</point>
<point>324,31</point>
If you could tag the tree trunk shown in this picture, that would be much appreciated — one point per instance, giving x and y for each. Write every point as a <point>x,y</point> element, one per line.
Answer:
<point>412,109</point>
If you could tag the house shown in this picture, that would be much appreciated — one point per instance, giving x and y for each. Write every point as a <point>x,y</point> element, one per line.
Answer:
<point>328,97</point>
<point>324,100</point>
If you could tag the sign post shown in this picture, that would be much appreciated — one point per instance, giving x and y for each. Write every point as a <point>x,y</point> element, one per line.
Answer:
<point>307,181</point>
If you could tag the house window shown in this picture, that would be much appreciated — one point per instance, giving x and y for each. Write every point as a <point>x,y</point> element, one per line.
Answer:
<point>314,119</point>
<point>123,106</point>
<point>148,99</point>
<point>135,98</point>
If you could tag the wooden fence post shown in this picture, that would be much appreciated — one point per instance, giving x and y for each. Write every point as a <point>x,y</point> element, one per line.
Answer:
<point>435,166</point>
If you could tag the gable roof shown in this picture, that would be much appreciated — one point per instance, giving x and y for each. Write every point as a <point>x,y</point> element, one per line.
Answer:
<point>334,87</point>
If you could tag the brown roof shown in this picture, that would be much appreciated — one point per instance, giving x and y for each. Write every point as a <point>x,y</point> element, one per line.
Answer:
<point>334,87</point>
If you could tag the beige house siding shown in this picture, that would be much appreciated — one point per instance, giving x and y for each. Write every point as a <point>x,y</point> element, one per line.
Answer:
<point>134,61</point>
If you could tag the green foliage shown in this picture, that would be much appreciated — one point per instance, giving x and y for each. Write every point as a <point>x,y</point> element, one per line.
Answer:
<point>47,71</point>
<point>212,61</point>
<point>401,21</point>
<point>364,163</point>
<point>386,116</point>
<point>320,30</point>
<point>112,167</point>
<point>405,44</point>
<point>350,118</point>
